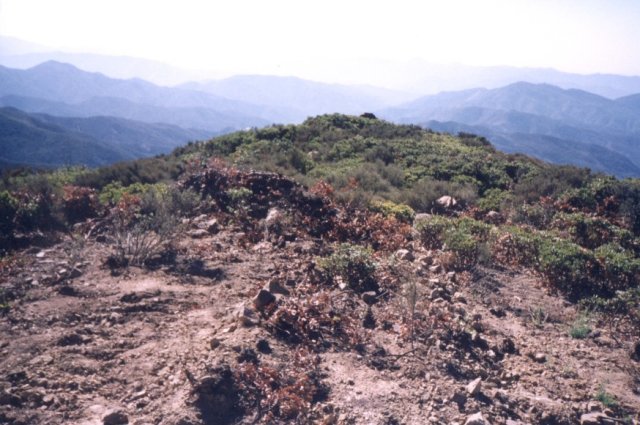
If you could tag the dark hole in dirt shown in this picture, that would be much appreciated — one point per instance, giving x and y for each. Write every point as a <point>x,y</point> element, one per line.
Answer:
<point>16,377</point>
<point>498,312</point>
<point>456,371</point>
<point>136,297</point>
<point>218,398</point>
<point>197,267</point>
<point>165,258</point>
<point>247,355</point>
<point>72,339</point>
<point>263,346</point>
<point>68,291</point>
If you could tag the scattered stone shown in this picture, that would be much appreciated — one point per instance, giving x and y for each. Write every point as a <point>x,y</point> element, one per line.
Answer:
<point>246,316</point>
<point>231,328</point>
<point>198,233</point>
<point>539,357</point>
<point>451,276</point>
<point>437,293</point>
<point>115,417</point>
<point>75,272</point>
<point>211,226</point>
<point>214,343</point>
<point>275,287</point>
<point>501,396</point>
<point>435,268</point>
<point>474,387</point>
<point>447,202</point>
<point>594,406</point>
<point>263,299</point>
<point>459,298</point>
<point>48,399</point>
<point>460,398</point>
<point>594,418</point>
<point>475,419</point>
<point>138,395</point>
<point>493,217</point>
<point>41,254</point>
<point>369,297</point>
<point>404,255</point>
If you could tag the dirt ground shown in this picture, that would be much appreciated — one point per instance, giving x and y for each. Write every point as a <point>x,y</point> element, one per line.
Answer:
<point>80,345</point>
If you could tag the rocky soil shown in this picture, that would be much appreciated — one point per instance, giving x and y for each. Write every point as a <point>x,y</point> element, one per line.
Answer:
<point>239,330</point>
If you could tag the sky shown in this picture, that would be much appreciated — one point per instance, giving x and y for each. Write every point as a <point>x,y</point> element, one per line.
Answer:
<point>329,38</point>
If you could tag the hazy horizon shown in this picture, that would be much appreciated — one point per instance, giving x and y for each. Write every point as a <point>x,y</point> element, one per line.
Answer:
<point>352,43</point>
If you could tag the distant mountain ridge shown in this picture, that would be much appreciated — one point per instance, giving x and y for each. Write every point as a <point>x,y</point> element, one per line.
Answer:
<point>63,83</point>
<point>47,141</point>
<point>417,77</point>
<point>561,122</point>
<point>303,97</point>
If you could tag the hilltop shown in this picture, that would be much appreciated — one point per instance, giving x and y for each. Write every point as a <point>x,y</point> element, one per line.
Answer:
<point>341,271</point>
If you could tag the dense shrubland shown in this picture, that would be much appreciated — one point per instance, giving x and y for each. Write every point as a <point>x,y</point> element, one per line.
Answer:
<point>580,230</point>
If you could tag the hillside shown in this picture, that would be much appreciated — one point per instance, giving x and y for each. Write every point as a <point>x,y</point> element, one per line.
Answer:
<point>553,149</point>
<point>44,140</point>
<point>563,117</point>
<point>26,140</point>
<point>201,287</point>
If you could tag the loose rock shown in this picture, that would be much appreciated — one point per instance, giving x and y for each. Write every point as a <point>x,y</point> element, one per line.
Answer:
<point>369,297</point>
<point>474,387</point>
<point>404,254</point>
<point>475,419</point>
<point>263,299</point>
<point>594,418</point>
<point>115,417</point>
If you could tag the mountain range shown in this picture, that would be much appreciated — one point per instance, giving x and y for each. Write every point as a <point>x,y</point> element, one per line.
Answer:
<point>554,124</point>
<point>550,122</point>
<point>408,79</point>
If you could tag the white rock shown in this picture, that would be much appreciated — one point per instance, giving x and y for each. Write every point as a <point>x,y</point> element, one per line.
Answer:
<point>475,419</point>
<point>474,387</point>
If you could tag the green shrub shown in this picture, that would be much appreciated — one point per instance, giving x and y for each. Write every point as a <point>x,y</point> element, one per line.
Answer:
<point>111,194</point>
<point>515,245</point>
<point>424,193</point>
<point>351,265</point>
<point>580,328</point>
<point>401,212</point>
<point>464,246</point>
<point>493,200</point>
<point>568,266</point>
<point>535,215</point>
<point>620,268</point>
<point>476,228</point>
<point>8,210</point>
<point>433,229</point>
<point>626,303</point>
<point>608,400</point>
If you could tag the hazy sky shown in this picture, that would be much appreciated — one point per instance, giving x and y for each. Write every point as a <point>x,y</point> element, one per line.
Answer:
<point>316,38</point>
